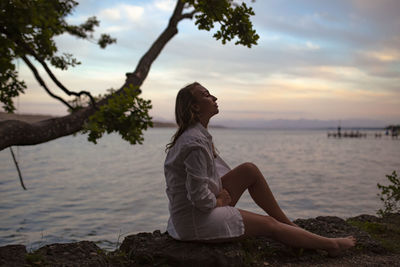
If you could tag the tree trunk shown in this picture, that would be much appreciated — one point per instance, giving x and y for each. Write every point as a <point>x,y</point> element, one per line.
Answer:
<point>17,133</point>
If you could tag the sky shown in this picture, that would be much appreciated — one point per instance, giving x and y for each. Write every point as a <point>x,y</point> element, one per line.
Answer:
<point>315,60</point>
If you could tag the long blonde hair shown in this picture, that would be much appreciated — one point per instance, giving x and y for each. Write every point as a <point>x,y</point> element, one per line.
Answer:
<point>184,114</point>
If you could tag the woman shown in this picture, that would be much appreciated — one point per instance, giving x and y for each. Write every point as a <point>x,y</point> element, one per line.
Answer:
<point>203,191</point>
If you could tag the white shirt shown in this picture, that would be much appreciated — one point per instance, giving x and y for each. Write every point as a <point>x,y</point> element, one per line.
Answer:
<point>193,180</point>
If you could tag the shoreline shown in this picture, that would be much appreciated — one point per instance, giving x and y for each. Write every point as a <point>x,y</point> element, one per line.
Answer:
<point>378,244</point>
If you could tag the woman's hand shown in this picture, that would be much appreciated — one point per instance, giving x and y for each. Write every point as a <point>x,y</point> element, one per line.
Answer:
<point>223,198</point>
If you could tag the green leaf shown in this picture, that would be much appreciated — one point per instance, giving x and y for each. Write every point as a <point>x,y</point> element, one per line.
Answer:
<point>390,195</point>
<point>125,113</point>
<point>28,28</point>
<point>233,20</point>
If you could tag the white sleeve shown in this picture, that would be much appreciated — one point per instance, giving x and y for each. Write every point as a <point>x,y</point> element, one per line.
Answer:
<point>197,180</point>
<point>221,166</point>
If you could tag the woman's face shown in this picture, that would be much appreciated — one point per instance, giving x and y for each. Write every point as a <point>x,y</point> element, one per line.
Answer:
<point>206,105</point>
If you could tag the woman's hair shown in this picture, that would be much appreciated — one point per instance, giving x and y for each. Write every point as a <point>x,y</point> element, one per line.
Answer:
<point>184,114</point>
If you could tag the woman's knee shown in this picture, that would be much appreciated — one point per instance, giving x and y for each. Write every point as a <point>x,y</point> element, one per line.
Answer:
<point>271,227</point>
<point>250,170</point>
<point>249,167</point>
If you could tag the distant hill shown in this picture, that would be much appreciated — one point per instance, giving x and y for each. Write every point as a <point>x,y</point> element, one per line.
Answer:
<point>302,124</point>
<point>37,117</point>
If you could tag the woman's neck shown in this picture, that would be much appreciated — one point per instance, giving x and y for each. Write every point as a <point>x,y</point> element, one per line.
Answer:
<point>204,122</point>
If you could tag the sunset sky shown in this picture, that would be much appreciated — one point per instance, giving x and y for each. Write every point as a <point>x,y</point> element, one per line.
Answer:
<point>323,60</point>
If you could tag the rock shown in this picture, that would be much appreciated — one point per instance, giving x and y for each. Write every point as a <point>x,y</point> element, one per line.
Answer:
<point>149,249</point>
<point>12,255</point>
<point>156,249</point>
<point>84,253</point>
<point>331,226</point>
<point>393,218</point>
<point>365,218</point>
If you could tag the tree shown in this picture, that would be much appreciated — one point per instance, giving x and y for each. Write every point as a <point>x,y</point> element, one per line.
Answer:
<point>27,29</point>
<point>390,195</point>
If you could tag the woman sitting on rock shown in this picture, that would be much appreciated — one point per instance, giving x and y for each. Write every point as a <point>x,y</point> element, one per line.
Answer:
<point>203,190</point>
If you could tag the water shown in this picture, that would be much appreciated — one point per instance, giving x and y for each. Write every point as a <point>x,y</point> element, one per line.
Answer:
<point>80,191</point>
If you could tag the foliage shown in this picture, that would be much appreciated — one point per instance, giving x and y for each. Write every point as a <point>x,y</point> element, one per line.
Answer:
<point>35,259</point>
<point>254,253</point>
<point>10,86</point>
<point>390,195</point>
<point>386,232</point>
<point>82,101</point>
<point>28,28</point>
<point>125,113</point>
<point>234,20</point>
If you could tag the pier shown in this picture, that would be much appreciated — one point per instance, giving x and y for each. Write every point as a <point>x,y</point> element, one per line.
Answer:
<point>351,134</point>
<point>392,131</point>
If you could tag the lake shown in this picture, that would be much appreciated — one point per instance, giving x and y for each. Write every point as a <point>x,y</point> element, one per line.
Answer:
<point>81,191</point>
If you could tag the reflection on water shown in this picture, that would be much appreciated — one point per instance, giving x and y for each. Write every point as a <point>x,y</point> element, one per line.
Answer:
<point>77,190</point>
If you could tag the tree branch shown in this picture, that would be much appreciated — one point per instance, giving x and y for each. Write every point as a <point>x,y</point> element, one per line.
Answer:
<point>21,180</point>
<point>188,15</point>
<point>42,83</point>
<point>16,133</point>
<point>30,51</point>
<point>61,86</point>
<point>142,69</point>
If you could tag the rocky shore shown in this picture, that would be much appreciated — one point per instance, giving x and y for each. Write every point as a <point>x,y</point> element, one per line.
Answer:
<point>378,244</point>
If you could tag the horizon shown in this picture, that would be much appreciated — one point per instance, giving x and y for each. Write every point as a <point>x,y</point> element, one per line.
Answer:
<point>314,61</point>
<point>274,124</point>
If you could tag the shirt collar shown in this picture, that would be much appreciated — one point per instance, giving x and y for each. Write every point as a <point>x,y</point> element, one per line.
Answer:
<point>203,130</point>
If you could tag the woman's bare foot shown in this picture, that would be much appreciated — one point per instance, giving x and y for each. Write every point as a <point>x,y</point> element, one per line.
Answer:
<point>341,245</point>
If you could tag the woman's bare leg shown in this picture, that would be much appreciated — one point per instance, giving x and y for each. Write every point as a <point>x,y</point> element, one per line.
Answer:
<point>248,176</point>
<point>261,225</point>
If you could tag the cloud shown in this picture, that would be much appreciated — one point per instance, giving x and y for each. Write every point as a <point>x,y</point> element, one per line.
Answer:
<point>115,29</point>
<point>312,46</point>
<point>134,13</point>
<point>122,12</point>
<point>379,62</point>
<point>379,12</point>
<point>305,46</point>
<point>111,13</point>
<point>362,23</point>
<point>165,5</point>
<point>383,56</point>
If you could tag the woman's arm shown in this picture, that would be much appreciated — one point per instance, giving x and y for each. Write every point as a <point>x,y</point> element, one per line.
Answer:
<point>196,164</point>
